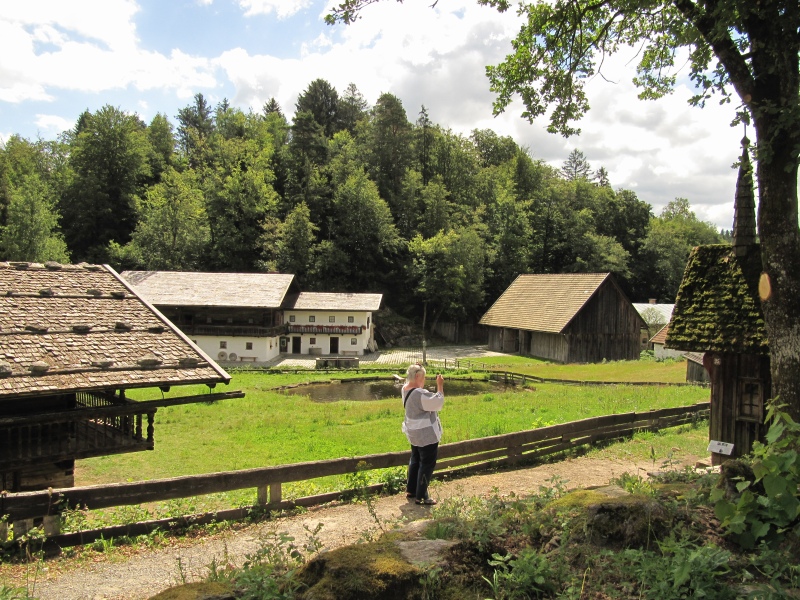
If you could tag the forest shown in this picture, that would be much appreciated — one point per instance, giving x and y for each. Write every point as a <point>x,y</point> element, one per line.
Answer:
<point>346,196</point>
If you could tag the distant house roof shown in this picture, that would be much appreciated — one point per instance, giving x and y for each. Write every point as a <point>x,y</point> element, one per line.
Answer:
<point>184,288</point>
<point>332,301</point>
<point>664,310</point>
<point>543,302</point>
<point>661,336</point>
<point>718,308</point>
<point>695,357</point>
<point>69,328</point>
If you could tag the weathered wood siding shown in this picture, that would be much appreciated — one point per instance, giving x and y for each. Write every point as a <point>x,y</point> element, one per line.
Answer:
<point>696,373</point>
<point>39,477</point>
<point>503,340</point>
<point>550,346</point>
<point>730,421</point>
<point>606,328</point>
<point>463,333</point>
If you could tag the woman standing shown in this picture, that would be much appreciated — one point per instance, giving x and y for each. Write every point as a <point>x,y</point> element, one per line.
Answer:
<point>423,430</point>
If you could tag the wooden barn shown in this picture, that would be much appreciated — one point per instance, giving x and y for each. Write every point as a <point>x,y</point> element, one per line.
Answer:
<point>581,317</point>
<point>695,371</point>
<point>73,340</point>
<point>718,312</point>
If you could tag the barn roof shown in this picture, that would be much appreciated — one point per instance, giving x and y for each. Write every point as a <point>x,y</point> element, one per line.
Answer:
<point>184,288</point>
<point>663,310</point>
<point>337,302</point>
<point>69,328</point>
<point>718,308</point>
<point>661,336</point>
<point>543,302</point>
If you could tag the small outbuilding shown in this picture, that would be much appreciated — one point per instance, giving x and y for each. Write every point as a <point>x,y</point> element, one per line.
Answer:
<point>718,312</point>
<point>73,340</point>
<point>659,350</point>
<point>572,317</point>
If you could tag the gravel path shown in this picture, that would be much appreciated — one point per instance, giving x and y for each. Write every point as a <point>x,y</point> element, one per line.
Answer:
<point>145,573</point>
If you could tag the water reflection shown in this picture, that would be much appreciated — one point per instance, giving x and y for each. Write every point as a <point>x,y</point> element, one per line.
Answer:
<point>380,390</point>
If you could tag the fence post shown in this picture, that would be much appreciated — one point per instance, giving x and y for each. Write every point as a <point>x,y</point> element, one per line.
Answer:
<point>275,493</point>
<point>3,532</point>
<point>21,527</point>
<point>261,495</point>
<point>52,525</point>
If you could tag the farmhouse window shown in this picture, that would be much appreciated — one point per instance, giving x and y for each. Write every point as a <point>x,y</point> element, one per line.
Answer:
<point>353,341</point>
<point>291,318</point>
<point>331,319</point>
<point>312,341</point>
<point>311,318</point>
<point>209,320</point>
<point>223,344</point>
<point>248,345</point>
<point>351,319</point>
<point>750,400</point>
<point>230,320</point>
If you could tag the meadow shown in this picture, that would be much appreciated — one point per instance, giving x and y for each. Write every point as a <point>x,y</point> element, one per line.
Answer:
<point>268,427</point>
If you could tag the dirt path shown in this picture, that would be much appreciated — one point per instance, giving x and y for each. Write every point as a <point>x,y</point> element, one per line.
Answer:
<point>145,573</point>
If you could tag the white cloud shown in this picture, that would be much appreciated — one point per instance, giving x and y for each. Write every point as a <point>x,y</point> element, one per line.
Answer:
<point>283,8</point>
<point>89,46</point>
<point>53,124</point>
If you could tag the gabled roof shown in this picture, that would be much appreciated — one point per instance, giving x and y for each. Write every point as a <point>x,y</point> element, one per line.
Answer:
<point>661,336</point>
<point>664,310</point>
<point>543,302</point>
<point>695,357</point>
<point>184,288</point>
<point>718,308</point>
<point>69,328</point>
<point>332,301</point>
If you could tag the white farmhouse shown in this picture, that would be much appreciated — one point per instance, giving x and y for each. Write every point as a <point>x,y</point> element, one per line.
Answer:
<point>238,317</point>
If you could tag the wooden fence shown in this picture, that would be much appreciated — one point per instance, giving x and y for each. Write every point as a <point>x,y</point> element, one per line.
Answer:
<point>24,509</point>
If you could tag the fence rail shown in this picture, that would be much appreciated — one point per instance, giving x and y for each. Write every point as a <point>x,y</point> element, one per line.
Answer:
<point>22,508</point>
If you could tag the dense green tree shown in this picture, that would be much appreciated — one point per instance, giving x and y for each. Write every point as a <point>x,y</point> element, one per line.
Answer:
<point>30,232</point>
<point>271,106</point>
<point>352,108</point>
<point>389,145</point>
<point>456,162</point>
<point>494,150</point>
<point>436,213</point>
<point>110,159</point>
<point>173,231</point>
<point>511,234</point>
<point>576,166</point>
<point>321,100</point>
<point>424,134</point>
<point>296,243</point>
<point>195,126</point>
<point>162,146</point>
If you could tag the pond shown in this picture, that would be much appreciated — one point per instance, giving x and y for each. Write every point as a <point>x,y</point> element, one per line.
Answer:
<point>380,390</point>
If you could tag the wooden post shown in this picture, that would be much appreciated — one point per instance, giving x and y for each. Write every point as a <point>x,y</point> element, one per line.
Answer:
<point>3,532</point>
<point>275,493</point>
<point>22,527</point>
<point>262,497</point>
<point>52,525</point>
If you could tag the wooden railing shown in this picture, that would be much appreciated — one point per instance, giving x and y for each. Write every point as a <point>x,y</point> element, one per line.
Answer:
<point>456,458</point>
<point>234,330</point>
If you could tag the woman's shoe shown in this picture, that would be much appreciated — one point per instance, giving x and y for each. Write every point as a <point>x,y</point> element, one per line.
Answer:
<point>426,501</point>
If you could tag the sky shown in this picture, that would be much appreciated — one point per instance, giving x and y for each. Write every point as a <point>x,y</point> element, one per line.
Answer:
<point>60,58</point>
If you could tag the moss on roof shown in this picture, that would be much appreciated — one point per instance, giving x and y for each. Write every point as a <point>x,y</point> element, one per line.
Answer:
<point>718,308</point>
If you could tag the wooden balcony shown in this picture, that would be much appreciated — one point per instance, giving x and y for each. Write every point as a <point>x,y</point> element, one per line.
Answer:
<point>329,329</point>
<point>79,433</point>
<point>233,330</point>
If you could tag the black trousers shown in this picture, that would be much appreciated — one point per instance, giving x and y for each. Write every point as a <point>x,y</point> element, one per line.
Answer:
<point>420,469</point>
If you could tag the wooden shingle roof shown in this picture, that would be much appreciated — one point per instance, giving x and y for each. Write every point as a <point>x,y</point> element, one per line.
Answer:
<point>183,288</point>
<point>337,302</point>
<point>69,328</point>
<point>543,302</point>
<point>661,336</point>
<point>718,308</point>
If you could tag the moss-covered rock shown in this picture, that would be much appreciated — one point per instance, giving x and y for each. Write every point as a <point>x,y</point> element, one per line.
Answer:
<point>633,521</point>
<point>362,572</point>
<point>197,591</point>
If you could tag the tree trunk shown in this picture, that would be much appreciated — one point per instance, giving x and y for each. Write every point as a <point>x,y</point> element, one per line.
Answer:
<point>780,247</point>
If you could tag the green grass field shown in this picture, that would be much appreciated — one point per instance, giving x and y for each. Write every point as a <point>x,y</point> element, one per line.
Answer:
<point>270,428</point>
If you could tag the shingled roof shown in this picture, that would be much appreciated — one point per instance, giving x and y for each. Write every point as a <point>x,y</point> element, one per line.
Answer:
<point>718,308</point>
<point>336,302</point>
<point>661,336</point>
<point>184,288</point>
<point>69,328</point>
<point>543,302</point>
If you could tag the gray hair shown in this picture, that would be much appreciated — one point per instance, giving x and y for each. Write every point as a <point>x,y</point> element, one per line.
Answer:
<point>413,370</point>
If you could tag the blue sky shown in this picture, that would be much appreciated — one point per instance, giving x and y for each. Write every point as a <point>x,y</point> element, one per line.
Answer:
<point>58,58</point>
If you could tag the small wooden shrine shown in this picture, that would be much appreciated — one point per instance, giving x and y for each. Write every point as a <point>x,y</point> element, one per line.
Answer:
<point>73,340</point>
<point>718,312</point>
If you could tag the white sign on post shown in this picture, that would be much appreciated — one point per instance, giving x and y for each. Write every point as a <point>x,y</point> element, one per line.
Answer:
<point>720,447</point>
